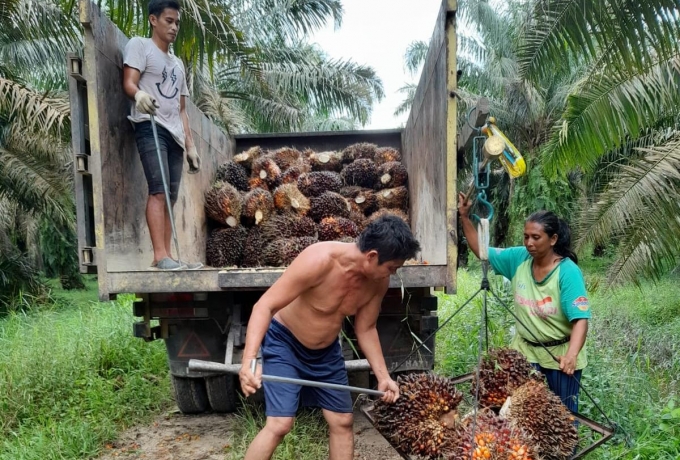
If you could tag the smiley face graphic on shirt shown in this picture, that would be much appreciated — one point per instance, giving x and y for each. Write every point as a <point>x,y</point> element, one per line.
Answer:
<point>168,85</point>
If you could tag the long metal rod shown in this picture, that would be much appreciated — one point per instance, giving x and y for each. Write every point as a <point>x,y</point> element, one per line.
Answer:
<point>165,187</point>
<point>330,386</point>
<point>210,366</point>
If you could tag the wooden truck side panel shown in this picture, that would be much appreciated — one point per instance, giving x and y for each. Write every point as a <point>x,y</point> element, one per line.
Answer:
<point>429,149</point>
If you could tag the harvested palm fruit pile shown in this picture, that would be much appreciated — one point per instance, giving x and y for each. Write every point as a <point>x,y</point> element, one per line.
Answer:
<point>267,206</point>
<point>427,421</point>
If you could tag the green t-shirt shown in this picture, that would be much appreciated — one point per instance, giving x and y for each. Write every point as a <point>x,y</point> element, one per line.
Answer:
<point>546,308</point>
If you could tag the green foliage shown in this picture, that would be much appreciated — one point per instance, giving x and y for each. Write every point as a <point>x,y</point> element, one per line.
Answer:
<point>589,87</point>
<point>536,191</point>
<point>59,247</point>
<point>72,376</point>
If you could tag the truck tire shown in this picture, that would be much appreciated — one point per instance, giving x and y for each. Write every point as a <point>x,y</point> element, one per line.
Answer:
<point>190,395</point>
<point>221,392</point>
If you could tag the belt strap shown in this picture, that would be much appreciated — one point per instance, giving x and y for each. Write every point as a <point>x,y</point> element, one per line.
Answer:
<point>548,344</point>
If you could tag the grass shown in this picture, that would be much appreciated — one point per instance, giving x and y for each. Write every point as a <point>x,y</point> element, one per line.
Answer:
<point>72,376</point>
<point>308,440</point>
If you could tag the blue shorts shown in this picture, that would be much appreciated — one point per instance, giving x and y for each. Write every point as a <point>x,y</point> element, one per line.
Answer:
<point>284,356</point>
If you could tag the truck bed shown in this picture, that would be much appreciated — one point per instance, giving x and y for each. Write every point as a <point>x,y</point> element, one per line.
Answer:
<point>111,191</point>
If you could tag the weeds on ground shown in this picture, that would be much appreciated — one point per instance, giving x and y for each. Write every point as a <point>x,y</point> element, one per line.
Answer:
<point>308,440</point>
<point>72,376</point>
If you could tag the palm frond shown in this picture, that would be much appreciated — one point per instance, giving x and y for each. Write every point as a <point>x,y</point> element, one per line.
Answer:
<point>37,34</point>
<point>409,92</point>
<point>225,111</point>
<point>630,30</point>
<point>33,111</point>
<point>415,54</point>
<point>640,205</point>
<point>273,20</point>
<point>32,178</point>
<point>648,250</point>
<point>323,122</point>
<point>601,116</point>
<point>302,78</point>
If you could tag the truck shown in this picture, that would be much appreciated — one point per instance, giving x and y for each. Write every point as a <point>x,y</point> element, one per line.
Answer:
<point>203,314</point>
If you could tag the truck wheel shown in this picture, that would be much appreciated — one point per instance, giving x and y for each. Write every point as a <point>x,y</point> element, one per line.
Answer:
<point>221,392</point>
<point>190,395</point>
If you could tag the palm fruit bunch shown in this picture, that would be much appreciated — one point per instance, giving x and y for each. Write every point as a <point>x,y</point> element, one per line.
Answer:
<point>289,196</point>
<point>385,211</point>
<point>501,372</point>
<point>487,436</point>
<point>286,157</point>
<point>386,155</point>
<point>223,203</point>
<point>234,174</point>
<point>329,204</point>
<point>288,226</point>
<point>362,172</point>
<point>258,206</point>
<point>325,161</point>
<point>362,200</point>
<point>317,182</point>
<point>283,251</point>
<point>266,171</point>
<point>359,151</point>
<point>392,174</point>
<point>336,228</point>
<point>419,422</point>
<point>246,158</point>
<point>536,410</point>
<point>225,246</point>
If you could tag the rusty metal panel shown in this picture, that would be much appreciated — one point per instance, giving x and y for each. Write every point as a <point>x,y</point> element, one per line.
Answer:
<point>429,148</point>
<point>319,141</point>
<point>411,275</point>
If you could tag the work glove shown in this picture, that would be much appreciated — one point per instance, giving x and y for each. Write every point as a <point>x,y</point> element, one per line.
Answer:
<point>145,103</point>
<point>194,160</point>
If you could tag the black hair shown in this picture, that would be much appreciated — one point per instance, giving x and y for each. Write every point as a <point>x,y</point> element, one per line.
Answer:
<point>391,237</point>
<point>553,225</point>
<point>156,7</point>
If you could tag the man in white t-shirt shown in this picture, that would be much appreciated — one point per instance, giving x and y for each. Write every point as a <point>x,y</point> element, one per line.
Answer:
<point>156,80</point>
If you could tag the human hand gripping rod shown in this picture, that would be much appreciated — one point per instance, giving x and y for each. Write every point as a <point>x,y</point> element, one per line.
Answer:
<point>165,187</point>
<point>311,383</point>
<point>207,366</point>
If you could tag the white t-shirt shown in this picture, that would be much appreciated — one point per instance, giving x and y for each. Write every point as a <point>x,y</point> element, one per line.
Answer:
<point>164,78</point>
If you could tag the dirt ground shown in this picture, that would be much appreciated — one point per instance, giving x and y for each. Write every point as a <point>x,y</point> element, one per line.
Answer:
<point>174,436</point>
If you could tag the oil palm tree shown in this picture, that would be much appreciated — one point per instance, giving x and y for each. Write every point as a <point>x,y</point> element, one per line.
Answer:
<point>414,58</point>
<point>597,81</point>
<point>34,185</point>
<point>622,113</point>
<point>296,85</point>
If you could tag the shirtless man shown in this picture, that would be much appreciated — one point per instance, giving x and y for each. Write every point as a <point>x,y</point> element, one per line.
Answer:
<point>297,322</point>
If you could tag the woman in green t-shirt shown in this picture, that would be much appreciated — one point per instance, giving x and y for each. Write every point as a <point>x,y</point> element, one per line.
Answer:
<point>550,298</point>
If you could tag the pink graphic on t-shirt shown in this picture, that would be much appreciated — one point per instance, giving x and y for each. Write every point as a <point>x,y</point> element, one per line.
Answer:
<point>541,308</point>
